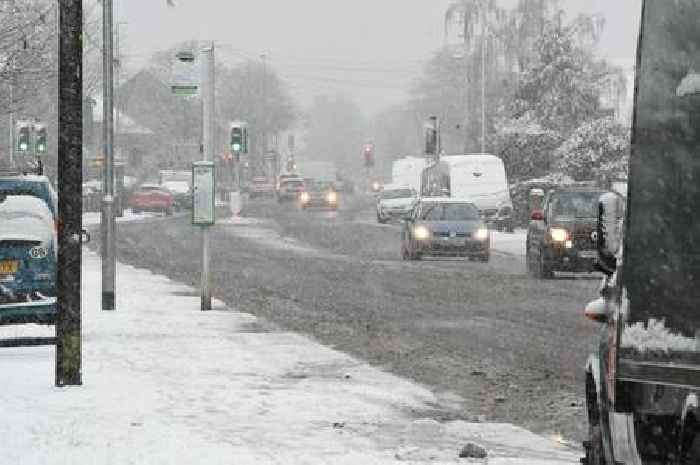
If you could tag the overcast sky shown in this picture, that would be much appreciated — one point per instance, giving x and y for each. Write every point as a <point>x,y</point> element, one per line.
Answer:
<point>369,49</point>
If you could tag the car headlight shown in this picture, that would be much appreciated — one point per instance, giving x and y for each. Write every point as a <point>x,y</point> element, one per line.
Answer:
<point>559,234</point>
<point>304,197</point>
<point>421,233</point>
<point>482,234</point>
<point>332,197</point>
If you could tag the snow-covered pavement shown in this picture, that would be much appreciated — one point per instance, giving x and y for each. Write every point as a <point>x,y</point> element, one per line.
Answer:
<point>165,383</point>
<point>509,243</point>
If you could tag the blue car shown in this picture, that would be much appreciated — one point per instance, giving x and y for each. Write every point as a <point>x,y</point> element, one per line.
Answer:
<point>34,185</point>
<point>28,255</point>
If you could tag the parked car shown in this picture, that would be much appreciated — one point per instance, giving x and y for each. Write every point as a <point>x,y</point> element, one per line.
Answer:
<point>34,185</point>
<point>152,198</point>
<point>443,226</point>
<point>290,189</point>
<point>28,254</point>
<point>181,192</point>
<point>283,177</point>
<point>395,202</point>
<point>261,187</point>
<point>562,236</point>
<point>319,194</point>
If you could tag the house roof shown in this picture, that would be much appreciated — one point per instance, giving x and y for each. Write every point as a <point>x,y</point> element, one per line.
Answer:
<point>126,124</point>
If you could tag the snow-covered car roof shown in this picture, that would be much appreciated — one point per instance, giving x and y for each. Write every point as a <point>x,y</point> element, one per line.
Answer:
<point>446,200</point>
<point>396,187</point>
<point>179,187</point>
<point>24,203</point>
<point>151,186</point>
<point>25,217</point>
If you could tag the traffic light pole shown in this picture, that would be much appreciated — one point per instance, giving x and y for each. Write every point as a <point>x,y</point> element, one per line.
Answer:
<point>108,248</point>
<point>208,87</point>
<point>70,142</point>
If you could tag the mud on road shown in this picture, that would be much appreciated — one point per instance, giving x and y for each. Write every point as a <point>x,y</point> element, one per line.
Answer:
<point>513,348</point>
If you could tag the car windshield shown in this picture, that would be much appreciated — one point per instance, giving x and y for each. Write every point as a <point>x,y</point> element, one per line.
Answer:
<point>448,212</point>
<point>397,194</point>
<point>573,205</point>
<point>320,187</point>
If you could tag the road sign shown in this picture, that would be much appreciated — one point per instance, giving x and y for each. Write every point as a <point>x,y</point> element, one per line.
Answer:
<point>185,74</point>
<point>203,183</point>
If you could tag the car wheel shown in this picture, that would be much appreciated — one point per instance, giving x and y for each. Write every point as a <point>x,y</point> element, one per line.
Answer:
<point>544,269</point>
<point>594,446</point>
<point>692,455</point>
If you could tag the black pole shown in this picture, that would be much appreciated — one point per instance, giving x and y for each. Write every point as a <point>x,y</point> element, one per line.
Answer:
<point>70,142</point>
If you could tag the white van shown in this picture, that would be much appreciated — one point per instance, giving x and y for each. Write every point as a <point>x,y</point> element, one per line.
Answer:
<point>482,179</point>
<point>407,172</point>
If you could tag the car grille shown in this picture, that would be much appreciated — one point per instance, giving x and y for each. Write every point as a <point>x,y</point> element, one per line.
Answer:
<point>583,241</point>
<point>440,235</point>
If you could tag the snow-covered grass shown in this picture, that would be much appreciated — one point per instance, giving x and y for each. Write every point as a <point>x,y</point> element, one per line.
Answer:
<point>94,218</point>
<point>165,383</point>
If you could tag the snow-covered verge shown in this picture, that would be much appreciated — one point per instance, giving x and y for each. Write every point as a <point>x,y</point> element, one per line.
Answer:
<point>512,244</point>
<point>94,218</point>
<point>165,383</point>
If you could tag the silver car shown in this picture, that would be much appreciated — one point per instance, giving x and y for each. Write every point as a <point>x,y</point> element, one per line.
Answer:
<point>444,226</point>
<point>395,203</point>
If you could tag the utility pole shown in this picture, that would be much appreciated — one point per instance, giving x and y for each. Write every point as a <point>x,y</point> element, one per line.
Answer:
<point>208,137</point>
<point>70,135</point>
<point>117,72</point>
<point>263,57</point>
<point>484,32</point>
<point>107,224</point>
<point>12,121</point>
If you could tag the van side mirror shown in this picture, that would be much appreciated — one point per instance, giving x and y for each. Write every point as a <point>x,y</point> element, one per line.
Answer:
<point>537,215</point>
<point>597,311</point>
<point>608,235</point>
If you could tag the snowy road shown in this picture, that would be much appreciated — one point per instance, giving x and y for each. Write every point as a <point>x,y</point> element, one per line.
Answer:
<point>512,347</point>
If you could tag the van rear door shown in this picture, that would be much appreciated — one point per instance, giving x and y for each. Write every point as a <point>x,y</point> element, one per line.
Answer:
<point>660,341</point>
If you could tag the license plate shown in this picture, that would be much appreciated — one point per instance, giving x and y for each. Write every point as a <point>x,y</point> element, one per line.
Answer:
<point>9,266</point>
<point>588,254</point>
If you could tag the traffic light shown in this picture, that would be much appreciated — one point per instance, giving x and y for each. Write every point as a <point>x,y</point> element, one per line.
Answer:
<point>431,136</point>
<point>24,137</point>
<point>40,141</point>
<point>239,138</point>
<point>368,151</point>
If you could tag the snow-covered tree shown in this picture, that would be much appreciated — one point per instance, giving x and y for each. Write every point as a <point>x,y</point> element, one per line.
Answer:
<point>597,149</point>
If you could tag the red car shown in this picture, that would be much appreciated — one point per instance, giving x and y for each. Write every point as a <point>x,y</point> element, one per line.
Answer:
<point>152,198</point>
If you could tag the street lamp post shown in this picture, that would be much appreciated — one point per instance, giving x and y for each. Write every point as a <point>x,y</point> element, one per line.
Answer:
<point>208,116</point>
<point>108,248</point>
